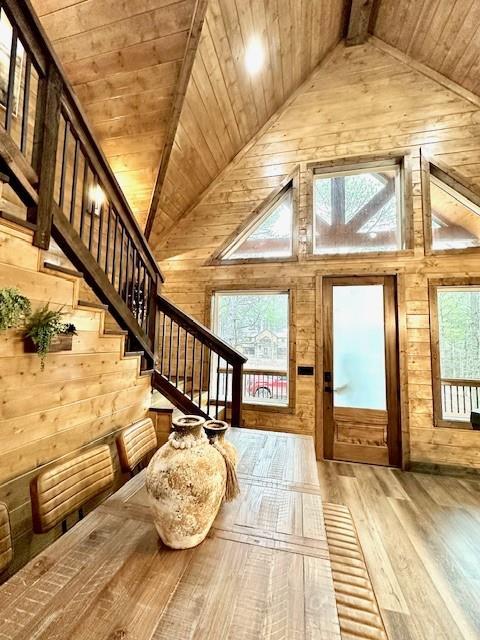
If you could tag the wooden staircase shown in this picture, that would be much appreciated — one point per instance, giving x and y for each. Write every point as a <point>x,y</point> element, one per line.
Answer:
<point>62,188</point>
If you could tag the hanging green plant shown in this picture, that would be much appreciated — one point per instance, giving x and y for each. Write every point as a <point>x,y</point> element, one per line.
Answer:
<point>46,332</point>
<point>14,308</point>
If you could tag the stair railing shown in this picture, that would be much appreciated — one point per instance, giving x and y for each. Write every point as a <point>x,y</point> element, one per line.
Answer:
<point>55,166</point>
<point>51,160</point>
<point>97,231</point>
<point>195,367</point>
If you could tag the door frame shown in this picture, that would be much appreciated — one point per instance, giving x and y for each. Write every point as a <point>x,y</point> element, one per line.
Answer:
<point>324,431</point>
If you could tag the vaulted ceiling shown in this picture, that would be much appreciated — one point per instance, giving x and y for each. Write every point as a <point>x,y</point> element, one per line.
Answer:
<point>443,34</point>
<point>225,106</point>
<point>124,58</point>
<point>171,101</point>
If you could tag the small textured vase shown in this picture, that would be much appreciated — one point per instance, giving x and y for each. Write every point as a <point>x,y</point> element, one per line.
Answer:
<point>186,481</point>
<point>216,430</point>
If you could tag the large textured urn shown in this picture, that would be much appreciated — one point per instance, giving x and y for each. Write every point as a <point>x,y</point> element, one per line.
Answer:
<point>186,482</point>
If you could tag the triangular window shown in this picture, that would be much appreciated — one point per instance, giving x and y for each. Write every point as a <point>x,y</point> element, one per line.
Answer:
<point>455,219</point>
<point>269,236</point>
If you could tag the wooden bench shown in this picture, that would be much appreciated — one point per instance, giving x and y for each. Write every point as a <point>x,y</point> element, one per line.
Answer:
<point>135,442</point>
<point>6,550</point>
<point>64,488</point>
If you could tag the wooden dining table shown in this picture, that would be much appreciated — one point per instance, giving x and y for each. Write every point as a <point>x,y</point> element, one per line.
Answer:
<point>262,573</point>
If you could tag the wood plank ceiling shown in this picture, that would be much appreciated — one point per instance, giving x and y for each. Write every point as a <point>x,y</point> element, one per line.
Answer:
<point>123,58</point>
<point>443,34</point>
<point>224,105</point>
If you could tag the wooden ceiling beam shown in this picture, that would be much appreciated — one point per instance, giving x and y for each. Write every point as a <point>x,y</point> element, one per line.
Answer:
<point>362,14</point>
<point>183,80</point>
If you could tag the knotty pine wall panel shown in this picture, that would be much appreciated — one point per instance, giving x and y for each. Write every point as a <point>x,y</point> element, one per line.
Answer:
<point>361,101</point>
<point>82,397</point>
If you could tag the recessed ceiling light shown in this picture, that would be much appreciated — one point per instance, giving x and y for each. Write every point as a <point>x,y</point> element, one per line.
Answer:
<point>254,56</point>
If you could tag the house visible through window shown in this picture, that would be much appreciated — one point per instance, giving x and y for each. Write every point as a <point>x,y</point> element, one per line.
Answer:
<point>458,311</point>
<point>455,219</point>
<point>256,323</point>
<point>270,236</point>
<point>358,211</point>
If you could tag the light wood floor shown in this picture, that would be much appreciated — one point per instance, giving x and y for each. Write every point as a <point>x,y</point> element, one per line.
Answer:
<point>421,539</point>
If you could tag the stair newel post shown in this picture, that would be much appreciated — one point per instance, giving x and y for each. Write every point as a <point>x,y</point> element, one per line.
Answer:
<point>47,122</point>
<point>237,375</point>
<point>152,314</point>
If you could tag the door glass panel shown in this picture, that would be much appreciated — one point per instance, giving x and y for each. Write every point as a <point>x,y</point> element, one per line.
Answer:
<point>359,347</point>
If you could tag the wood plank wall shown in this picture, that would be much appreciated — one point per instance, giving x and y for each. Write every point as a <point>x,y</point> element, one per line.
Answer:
<point>362,101</point>
<point>81,397</point>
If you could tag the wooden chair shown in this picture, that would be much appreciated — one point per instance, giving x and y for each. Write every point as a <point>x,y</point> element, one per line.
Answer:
<point>64,488</point>
<point>135,442</point>
<point>6,548</point>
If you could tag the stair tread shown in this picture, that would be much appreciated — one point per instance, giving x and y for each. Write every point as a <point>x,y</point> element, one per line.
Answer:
<point>16,220</point>
<point>57,267</point>
<point>160,403</point>
<point>92,305</point>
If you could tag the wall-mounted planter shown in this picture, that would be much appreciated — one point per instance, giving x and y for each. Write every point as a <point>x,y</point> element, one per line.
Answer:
<point>62,342</point>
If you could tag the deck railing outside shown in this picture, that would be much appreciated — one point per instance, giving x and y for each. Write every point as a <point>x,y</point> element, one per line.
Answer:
<point>459,398</point>
<point>260,386</point>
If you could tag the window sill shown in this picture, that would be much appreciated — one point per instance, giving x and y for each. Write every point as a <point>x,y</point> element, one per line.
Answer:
<point>455,252</point>
<point>272,408</point>
<point>216,262</point>
<point>450,424</point>
<point>326,257</point>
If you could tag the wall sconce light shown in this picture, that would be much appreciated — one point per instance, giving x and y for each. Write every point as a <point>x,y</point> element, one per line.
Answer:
<point>97,199</point>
